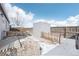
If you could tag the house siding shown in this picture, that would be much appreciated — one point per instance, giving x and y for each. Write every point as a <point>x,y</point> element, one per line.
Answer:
<point>4,25</point>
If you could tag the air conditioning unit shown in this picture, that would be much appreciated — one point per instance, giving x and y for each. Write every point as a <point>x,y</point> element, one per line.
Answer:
<point>2,35</point>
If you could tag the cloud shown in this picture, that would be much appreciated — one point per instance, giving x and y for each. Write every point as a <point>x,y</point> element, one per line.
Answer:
<point>15,12</point>
<point>70,21</point>
<point>73,21</point>
<point>26,18</point>
<point>51,22</point>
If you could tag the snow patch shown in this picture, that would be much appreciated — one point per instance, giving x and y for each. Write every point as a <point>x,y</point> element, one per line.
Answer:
<point>44,47</point>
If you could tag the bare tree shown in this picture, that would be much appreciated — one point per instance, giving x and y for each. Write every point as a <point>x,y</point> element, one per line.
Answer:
<point>18,22</point>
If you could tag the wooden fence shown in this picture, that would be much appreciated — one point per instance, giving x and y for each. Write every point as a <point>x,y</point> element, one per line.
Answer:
<point>66,32</point>
<point>55,38</point>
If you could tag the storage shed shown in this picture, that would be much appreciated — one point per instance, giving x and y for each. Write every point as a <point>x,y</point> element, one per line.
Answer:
<point>40,27</point>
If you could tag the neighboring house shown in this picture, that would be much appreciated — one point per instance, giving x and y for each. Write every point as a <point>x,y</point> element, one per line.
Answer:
<point>4,23</point>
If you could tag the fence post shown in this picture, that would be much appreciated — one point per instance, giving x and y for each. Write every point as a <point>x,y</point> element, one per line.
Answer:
<point>60,38</point>
<point>64,32</point>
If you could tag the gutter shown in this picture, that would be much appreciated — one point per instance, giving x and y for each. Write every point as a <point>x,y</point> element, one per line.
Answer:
<point>4,12</point>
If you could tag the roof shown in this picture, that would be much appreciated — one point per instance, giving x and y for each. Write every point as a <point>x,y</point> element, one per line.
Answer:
<point>42,23</point>
<point>4,13</point>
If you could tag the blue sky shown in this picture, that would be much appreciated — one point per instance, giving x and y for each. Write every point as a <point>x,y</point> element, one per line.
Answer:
<point>50,11</point>
<point>56,14</point>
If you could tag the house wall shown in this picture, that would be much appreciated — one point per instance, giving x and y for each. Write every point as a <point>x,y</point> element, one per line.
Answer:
<point>4,25</point>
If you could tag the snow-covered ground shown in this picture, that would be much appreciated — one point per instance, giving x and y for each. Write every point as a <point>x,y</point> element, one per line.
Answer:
<point>66,48</point>
<point>45,47</point>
